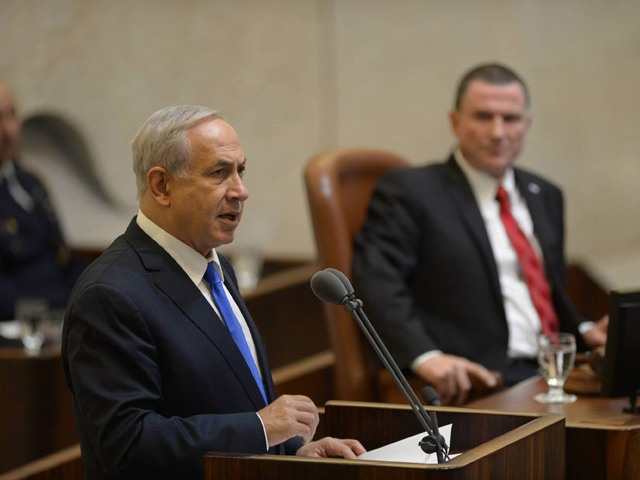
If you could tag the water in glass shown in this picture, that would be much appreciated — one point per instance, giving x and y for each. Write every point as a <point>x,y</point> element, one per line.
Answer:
<point>556,356</point>
<point>32,315</point>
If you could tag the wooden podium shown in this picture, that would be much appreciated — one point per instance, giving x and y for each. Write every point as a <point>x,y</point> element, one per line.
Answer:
<point>492,445</point>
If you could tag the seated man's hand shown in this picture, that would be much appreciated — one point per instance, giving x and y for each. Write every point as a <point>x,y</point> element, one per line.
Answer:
<point>332,447</point>
<point>597,336</point>
<point>290,416</point>
<point>453,377</point>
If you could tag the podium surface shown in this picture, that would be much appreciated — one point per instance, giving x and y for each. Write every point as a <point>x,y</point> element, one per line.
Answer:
<point>603,442</point>
<point>492,445</point>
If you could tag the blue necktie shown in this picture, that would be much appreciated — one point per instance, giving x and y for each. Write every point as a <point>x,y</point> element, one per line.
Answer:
<point>219,296</point>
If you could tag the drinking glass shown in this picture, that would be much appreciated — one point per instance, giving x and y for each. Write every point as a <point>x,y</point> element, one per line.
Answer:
<point>247,263</point>
<point>32,315</point>
<point>556,354</point>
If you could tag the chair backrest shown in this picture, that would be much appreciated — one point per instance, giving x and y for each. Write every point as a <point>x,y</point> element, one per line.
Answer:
<point>339,185</point>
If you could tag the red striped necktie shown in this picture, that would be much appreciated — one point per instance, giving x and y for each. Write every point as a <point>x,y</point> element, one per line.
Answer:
<point>531,267</point>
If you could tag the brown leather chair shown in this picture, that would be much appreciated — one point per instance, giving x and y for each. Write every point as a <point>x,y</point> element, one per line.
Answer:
<point>339,184</point>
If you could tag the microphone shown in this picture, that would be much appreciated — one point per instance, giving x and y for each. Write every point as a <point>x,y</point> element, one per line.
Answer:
<point>332,286</point>
<point>329,288</point>
<point>431,396</point>
<point>343,279</point>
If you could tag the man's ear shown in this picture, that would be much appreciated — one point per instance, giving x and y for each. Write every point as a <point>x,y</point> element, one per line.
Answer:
<point>454,120</point>
<point>158,184</point>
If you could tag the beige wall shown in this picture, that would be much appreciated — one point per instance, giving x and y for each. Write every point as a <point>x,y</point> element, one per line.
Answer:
<point>299,76</point>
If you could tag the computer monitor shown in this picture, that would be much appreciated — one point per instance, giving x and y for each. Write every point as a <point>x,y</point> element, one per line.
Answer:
<point>621,367</point>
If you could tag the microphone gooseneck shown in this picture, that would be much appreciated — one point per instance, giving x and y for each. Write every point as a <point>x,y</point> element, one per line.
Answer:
<point>332,286</point>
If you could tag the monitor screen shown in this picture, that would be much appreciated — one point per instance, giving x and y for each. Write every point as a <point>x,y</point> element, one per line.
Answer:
<point>621,368</point>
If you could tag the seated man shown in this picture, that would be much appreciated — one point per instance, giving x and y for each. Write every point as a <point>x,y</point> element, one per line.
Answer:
<point>435,262</point>
<point>35,261</point>
<point>160,353</point>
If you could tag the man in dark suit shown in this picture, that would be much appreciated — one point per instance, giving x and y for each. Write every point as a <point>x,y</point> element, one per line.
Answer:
<point>434,265</point>
<point>35,260</point>
<point>156,377</point>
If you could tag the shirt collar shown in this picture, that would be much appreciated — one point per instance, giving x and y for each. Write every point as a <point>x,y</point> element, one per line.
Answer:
<point>483,185</point>
<point>7,170</point>
<point>191,261</point>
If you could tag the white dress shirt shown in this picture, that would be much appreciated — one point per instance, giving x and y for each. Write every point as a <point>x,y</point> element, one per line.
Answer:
<point>522,318</point>
<point>16,190</point>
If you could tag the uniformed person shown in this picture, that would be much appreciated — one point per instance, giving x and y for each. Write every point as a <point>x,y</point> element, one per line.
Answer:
<point>34,258</point>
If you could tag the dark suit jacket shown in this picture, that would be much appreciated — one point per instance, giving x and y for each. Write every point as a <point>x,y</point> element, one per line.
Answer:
<point>156,378</point>
<point>424,267</point>
<point>35,261</point>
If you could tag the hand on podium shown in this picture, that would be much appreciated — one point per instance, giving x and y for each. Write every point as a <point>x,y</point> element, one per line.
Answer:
<point>332,447</point>
<point>296,415</point>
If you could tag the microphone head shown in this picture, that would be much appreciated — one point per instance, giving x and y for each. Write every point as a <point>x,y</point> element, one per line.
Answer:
<point>329,288</point>
<point>342,277</point>
<point>431,396</point>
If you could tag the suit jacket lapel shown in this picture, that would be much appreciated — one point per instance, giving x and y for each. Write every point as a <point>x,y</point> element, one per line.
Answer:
<point>530,190</point>
<point>472,219</point>
<point>174,282</point>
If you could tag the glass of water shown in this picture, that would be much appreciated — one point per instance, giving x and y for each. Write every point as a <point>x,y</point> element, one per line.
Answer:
<point>556,354</point>
<point>32,315</point>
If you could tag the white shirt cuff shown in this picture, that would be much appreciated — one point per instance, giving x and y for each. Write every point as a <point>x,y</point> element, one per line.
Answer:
<point>264,430</point>
<point>423,358</point>
<point>584,327</point>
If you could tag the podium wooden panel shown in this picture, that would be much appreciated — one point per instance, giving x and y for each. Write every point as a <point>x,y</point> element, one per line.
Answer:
<point>602,441</point>
<point>284,302</point>
<point>493,445</point>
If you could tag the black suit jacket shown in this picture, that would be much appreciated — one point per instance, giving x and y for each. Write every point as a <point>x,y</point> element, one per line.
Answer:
<point>424,267</point>
<point>35,260</point>
<point>156,378</point>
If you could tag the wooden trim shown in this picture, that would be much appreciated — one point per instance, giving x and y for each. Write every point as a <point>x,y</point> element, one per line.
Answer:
<point>64,464</point>
<point>306,366</point>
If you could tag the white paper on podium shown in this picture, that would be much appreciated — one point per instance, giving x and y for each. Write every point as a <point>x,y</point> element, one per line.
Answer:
<point>407,449</point>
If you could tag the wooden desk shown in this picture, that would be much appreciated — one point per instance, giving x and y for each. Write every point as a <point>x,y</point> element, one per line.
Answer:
<point>36,416</point>
<point>602,441</point>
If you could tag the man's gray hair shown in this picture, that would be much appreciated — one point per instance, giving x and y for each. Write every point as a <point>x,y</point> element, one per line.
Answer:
<point>162,141</point>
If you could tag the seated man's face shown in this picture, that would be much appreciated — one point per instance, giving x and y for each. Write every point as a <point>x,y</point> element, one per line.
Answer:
<point>491,125</point>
